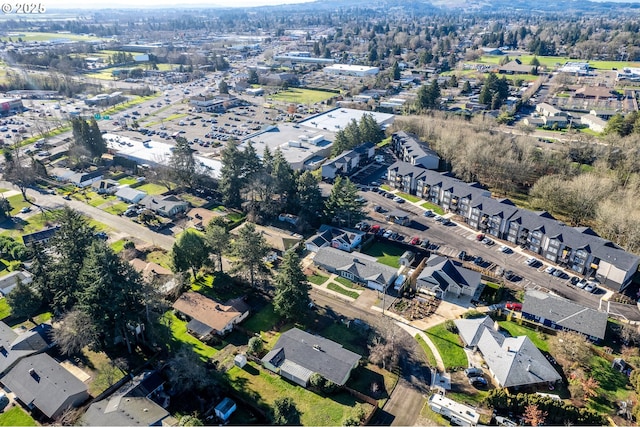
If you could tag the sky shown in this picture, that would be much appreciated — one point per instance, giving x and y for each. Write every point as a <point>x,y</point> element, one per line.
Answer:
<point>83,4</point>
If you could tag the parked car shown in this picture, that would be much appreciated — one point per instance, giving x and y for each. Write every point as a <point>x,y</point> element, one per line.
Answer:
<point>428,213</point>
<point>515,306</point>
<point>25,209</point>
<point>574,280</point>
<point>462,255</point>
<point>398,199</point>
<point>478,260</point>
<point>473,372</point>
<point>374,228</point>
<point>591,286</point>
<point>478,381</point>
<point>557,273</point>
<point>505,249</point>
<point>387,234</point>
<point>414,240</point>
<point>531,261</point>
<point>509,275</point>
<point>438,218</point>
<point>488,241</point>
<point>550,270</point>
<point>503,421</point>
<point>4,401</point>
<point>581,283</point>
<point>445,221</point>
<point>377,208</point>
<point>425,243</point>
<point>479,237</point>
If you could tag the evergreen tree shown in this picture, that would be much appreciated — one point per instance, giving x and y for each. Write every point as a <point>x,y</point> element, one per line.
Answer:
<point>308,198</point>
<point>466,88</point>
<point>395,71</point>
<point>223,87</point>
<point>189,252</point>
<point>250,248</point>
<point>231,180</point>
<point>251,164</point>
<point>217,239</point>
<point>24,300</point>
<point>291,300</point>
<point>344,206</point>
<point>182,163</point>
<point>253,77</point>
<point>284,182</point>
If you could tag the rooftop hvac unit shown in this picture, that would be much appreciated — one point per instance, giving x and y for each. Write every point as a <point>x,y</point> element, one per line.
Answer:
<point>295,143</point>
<point>303,137</point>
<point>315,140</point>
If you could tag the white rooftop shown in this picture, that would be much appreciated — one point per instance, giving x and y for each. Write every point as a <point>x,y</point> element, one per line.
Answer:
<point>339,118</point>
<point>154,152</point>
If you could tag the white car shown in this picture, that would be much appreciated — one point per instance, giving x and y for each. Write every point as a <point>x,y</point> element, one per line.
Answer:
<point>387,234</point>
<point>398,199</point>
<point>591,287</point>
<point>505,249</point>
<point>530,261</point>
<point>550,270</point>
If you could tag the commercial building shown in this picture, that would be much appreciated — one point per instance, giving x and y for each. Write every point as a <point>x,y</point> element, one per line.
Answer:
<point>351,70</point>
<point>10,106</point>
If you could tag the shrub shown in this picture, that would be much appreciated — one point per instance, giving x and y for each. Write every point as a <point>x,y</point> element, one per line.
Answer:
<point>450,326</point>
<point>255,346</point>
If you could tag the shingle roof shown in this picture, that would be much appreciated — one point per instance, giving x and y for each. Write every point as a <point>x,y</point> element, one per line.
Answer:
<point>14,347</point>
<point>48,388</point>
<point>39,236</point>
<point>413,146</point>
<point>514,361</point>
<point>128,193</point>
<point>327,358</point>
<point>362,266</point>
<point>566,313</point>
<point>205,310</point>
<point>445,272</point>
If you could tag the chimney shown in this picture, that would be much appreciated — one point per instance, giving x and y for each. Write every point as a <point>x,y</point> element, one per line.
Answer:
<point>529,367</point>
<point>316,347</point>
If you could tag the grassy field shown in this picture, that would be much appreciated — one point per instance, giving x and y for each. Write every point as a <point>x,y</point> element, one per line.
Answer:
<point>347,283</point>
<point>180,334</point>
<point>314,409</point>
<point>117,208</point>
<point>16,416</point>
<point>343,291</point>
<point>437,209</point>
<point>552,61</point>
<point>262,321</point>
<point>517,330</point>
<point>118,245</point>
<point>302,96</point>
<point>160,257</point>
<point>317,279</point>
<point>127,180</point>
<point>5,310</point>
<point>152,189</point>
<point>386,253</point>
<point>17,203</point>
<point>449,347</point>
<point>408,197</point>
<point>40,37</point>
<point>427,351</point>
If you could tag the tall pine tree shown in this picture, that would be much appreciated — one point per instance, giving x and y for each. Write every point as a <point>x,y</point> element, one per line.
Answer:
<point>291,300</point>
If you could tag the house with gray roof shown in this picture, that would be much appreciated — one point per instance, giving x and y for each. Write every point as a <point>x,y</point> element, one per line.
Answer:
<point>443,276</point>
<point>298,354</point>
<point>84,179</point>
<point>15,346</point>
<point>410,149</point>
<point>130,195</point>
<point>41,237</point>
<point>512,361</point>
<point>564,315</point>
<point>356,267</point>
<point>167,206</point>
<point>9,281</point>
<point>133,404</point>
<point>41,383</point>
<point>348,161</point>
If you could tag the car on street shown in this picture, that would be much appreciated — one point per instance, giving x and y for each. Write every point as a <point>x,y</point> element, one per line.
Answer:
<point>515,306</point>
<point>415,240</point>
<point>25,209</point>
<point>550,270</point>
<point>398,199</point>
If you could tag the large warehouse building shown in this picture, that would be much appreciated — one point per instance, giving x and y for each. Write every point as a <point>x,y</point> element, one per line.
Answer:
<point>10,106</point>
<point>351,70</point>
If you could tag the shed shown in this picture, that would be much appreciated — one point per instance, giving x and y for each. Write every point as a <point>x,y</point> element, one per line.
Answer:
<point>240,360</point>
<point>225,409</point>
<point>407,258</point>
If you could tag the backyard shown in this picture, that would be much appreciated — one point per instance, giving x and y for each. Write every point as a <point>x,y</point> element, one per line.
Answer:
<point>16,416</point>
<point>449,347</point>
<point>386,253</point>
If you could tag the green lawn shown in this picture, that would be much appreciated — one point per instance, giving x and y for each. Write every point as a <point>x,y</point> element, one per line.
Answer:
<point>117,208</point>
<point>127,180</point>
<point>5,310</point>
<point>408,197</point>
<point>552,61</point>
<point>343,291</point>
<point>364,376</point>
<point>17,203</point>
<point>35,223</point>
<point>262,321</point>
<point>217,286</point>
<point>517,330</point>
<point>427,351</point>
<point>39,37</point>
<point>449,347</point>
<point>118,246</point>
<point>259,385</point>
<point>435,208</point>
<point>160,257</point>
<point>152,189</point>
<point>16,416</point>
<point>347,283</point>
<point>317,279</point>
<point>386,254</point>
<point>302,96</point>
<point>180,334</point>
<point>385,187</point>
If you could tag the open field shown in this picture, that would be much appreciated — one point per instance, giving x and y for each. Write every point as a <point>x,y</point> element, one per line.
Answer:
<point>302,96</point>
<point>40,37</point>
<point>553,61</point>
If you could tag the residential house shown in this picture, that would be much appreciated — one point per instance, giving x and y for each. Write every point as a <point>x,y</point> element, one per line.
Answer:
<point>577,248</point>
<point>557,121</point>
<point>548,110</point>
<point>410,149</point>
<point>603,114</point>
<point>167,206</point>
<point>224,409</point>
<point>442,276</point>
<point>39,382</point>
<point>85,179</point>
<point>105,186</point>
<point>298,354</point>
<point>344,239</point>
<point>40,237</point>
<point>133,404</point>
<point>533,121</point>
<point>151,272</point>
<point>564,315</point>
<point>512,361</point>
<point>275,238</point>
<point>492,51</point>
<point>209,317</point>
<point>9,281</point>
<point>356,267</point>
<point>130,195</point>
<point>200,217</point>
<point>15,346</point>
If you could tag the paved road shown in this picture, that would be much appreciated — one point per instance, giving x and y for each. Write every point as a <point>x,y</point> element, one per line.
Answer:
<point>117,223</point>
<point>408,398</point>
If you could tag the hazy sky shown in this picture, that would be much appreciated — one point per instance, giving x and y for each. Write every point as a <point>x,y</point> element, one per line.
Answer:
<point>83,4</point>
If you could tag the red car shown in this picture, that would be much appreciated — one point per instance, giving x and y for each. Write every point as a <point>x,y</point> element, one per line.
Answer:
<point>515,306</point>
<point>479,237</point>
<point>374,229</point>
<point>415,240</point>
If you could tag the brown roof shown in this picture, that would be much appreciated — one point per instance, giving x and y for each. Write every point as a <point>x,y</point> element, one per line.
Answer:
<point>149,269</point>
<point>594,92</point>
<point>205,310</point>
<point>201,216</point>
